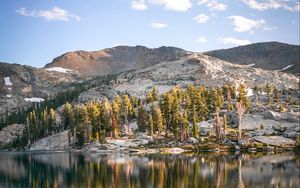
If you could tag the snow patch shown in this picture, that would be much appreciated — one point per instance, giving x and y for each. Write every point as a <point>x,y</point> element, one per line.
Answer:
<point>34,99</point>
<point>59,69</point>
<point>7,81</point>
<point>250,65</point>
<point>287,67</point>
<point>8,96</point>
<point>249,92</point>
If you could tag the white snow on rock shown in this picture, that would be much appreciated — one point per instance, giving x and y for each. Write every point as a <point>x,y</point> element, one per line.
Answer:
<point>8,96</point>
<point>7,81</point>
<point>34,99</point>
<point>250,65</point>
<point>287,67</point>
<point>249,92</point>
<point>59,69</point>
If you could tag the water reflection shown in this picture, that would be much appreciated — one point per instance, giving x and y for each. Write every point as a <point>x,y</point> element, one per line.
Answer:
<point>116,170</point>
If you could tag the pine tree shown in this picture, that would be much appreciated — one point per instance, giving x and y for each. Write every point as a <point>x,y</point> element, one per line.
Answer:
<point>85,123</point>
<point>268,92</point>
<point>240,111</point>
<point>68,116</point>
<point>185,124</point>
<point>94,115</point>
<point>154,93</point>
<point>44,122</point>
<point>224,124</point>
<point>115,119</point>
<point>51,121</point>
<point>151,125</point>
<point>276,95</point>
<point>158,120</point>
<point>126,109</point>
<point>142,118</point>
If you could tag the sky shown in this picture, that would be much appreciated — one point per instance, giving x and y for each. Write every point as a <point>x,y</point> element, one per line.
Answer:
<point>33,32</point>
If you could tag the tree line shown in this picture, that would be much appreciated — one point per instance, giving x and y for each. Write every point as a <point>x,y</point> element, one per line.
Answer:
<point>176,114</point>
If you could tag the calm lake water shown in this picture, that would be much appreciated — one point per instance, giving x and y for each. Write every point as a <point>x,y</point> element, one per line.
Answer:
<point>117,170</point>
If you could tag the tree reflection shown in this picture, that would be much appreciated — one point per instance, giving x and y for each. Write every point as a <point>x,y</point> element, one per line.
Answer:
<point>116,170</point>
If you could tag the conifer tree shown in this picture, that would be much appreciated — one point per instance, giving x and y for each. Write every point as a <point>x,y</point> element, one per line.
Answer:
<point>158,120</point>
<point>276,95</point>
<point>51,121</point>
<point>184,126</point>
<point>150,124</point>
<point>85,123</point>
<point>142,118</point>
<point>115,119</point>
<point>268,92</point>
<point>240,111</point>
<point>94,115</point>
<point>154,93</point>
<point>126,108</point>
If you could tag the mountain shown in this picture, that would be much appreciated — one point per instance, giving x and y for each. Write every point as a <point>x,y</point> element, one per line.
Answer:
<point>20,85</point>
<point>267,55</point>
<point>197,68</point>
<point>116,59</point>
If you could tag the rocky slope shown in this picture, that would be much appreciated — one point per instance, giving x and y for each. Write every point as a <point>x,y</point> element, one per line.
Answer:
<point>114,60</point>
<point>196,69</point>
<point>267,55</point>
<point>20,85</point>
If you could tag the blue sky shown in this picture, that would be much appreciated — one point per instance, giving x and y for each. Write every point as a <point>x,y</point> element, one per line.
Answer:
<point>33,32</point>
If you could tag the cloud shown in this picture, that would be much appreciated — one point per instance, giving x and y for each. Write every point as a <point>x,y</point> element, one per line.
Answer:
<point>54,14</point>
<point>271,4</point>
<point>234,41</point>
<point>139,5</point>
<point>269,28</point>
<point>158,25</point>
<point>202,40</point>
<point>242,24</point>
<point>176,5</point>
<point>213,5</point>
<point>201,18</point>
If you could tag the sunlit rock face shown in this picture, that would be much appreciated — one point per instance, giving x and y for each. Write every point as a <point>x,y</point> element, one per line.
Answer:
<point>119,170</point>
<point>114,60</point>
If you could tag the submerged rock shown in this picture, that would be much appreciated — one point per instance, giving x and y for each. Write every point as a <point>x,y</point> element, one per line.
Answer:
<point>275,140</point>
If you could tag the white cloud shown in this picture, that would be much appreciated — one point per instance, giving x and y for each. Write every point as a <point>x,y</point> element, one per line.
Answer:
<point>176,5</point>
<point>158,25</point>
<point>213,5</point>
<point>139,5</point>
<point>202,40</point>
<point>234,41</point>
<point>242,24</point>
<point>271,4</point>
<point>269,28</point>
<point>201,18</point>
<point>54,14</point>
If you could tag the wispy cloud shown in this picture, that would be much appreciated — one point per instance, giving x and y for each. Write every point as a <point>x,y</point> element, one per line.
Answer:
<point>139,5</point>
<point>233,41</point>
<point>201,18</point>
<point>213,5</point>
<point>54,14</point>
<point>201,40</point>
<point>271,4</point>
<point>242,24</point>
<point>176,5</point>
<point>158,25</point>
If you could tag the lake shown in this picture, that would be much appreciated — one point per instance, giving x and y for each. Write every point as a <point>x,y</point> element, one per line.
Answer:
<point>64,169</point>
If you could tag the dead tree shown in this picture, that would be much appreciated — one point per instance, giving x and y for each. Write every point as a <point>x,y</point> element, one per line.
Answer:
<point>240,110</point>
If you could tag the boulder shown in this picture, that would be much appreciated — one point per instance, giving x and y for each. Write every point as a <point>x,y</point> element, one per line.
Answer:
<point>290,134</point>
<point>193,140</point>
<point>275,140</point>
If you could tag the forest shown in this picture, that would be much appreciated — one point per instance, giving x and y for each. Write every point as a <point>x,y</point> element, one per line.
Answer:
<point>174,114</point>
